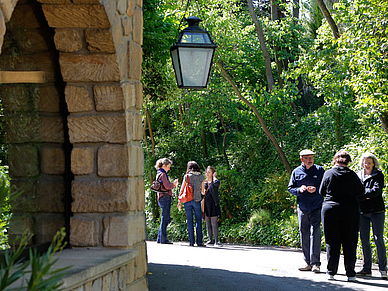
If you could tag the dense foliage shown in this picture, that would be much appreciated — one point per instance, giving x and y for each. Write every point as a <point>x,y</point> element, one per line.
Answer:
<point>328,94</point>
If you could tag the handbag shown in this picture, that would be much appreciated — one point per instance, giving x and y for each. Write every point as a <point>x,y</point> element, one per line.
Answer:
<point>157,186</point>
<point>186,193</point>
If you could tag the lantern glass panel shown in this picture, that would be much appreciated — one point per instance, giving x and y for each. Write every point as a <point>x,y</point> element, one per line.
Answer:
<point>195,65</point>
<point>177,68</point>
<point>197,38</point>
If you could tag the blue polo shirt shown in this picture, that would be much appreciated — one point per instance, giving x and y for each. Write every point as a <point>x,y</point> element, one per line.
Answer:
<point>310,177</point>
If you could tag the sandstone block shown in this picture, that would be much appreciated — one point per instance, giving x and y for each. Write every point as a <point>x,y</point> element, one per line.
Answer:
<point>53,161</point>
<point>99,128</point>
<point>51,129</point>
<point>68,40</point>
<point>139,285</point>
<point>86,1</point>
<point>23,161</point>
<point>22,127</point>
<point>139,3</point>
<point>88,68</point>
<point>82,161</point>
<point>117,33</point>
<point>137,35</point>
<point>136,160</point>
<point>83,232</point>
<point>47,226</point>
<point>136,194</point>
<point>123,231</point>
<point>108,98</point>
<point>122,6</point>
<point>30,40</point>
<point>100,40</point>
<point>139,95</point>
<point>112,161</point>
<point>126,22</point>
<point>25,202</point>
<point>78,99</point>
<point>48,99</point>
<point>130,272</point>
<point>55,1</point>
<point>114,282</point>
<point>134,126</point>
<point>23,17</point>
<point>2,29</point>
<point>122,278</point>
<point>18,225</point>
<point>106,281</point>
<point>82,16</point>
<point>49,196</point>
<point>100,196</point>
<point>129,90</point>
<point>88,286</point>
<point>97,285</point>
<point>7,6</point>
<point>141,262</point>
<point>122,58</point>
<point>135,61</point>
<point>131,7</point>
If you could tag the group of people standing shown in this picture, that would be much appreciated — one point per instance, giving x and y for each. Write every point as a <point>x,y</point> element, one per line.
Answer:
<point>205,202</point>
<point>346,203</point>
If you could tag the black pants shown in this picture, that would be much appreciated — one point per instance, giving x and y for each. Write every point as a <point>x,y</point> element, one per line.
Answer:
<point>340,225</point>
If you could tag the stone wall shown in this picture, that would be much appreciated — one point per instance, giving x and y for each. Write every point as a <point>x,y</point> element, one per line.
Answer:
<point>90,51</point>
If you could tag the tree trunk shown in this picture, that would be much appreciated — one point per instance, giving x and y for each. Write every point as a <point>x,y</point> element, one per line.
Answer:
<point>295,9</point>
<point>204,146</point>
<point>259,117</point>
<point>263,46</point>
<point>216,143</point>
<point>329,19</point>
<point>384,121</point>
<point>224,142</point>
<point>150,130</point>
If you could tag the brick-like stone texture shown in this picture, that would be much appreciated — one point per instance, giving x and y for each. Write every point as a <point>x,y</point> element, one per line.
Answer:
<point>29,40</point>
<point>134,126</point>
<point>124,231</point>
<point>140,262</point>
<point>112,161</point>
<point>18,225</point>
<point>82,16</point>
<point>53,161</point>
<point>106,281</point>
<point>23,17</point>
<point>136,194</point>
<point>68,40</point>
<point>88,68</point>
<point>51,129</point>
<point>100,40</point>
<point>22,127</point>
<point>97,129</point>
<point>108,98</point>
<point>78,99</point>
<point>49,197</point>
<point>136,160</point>
<point>23,161</point>
<point>83,232</point>
<point>7,6</point>
<point>48,99</point>
<point>2,30</point>
<point>138,24</point>
<point>82,161</point>
<point>47,226</point>
<point>100,196</point>
<point>135,61</point>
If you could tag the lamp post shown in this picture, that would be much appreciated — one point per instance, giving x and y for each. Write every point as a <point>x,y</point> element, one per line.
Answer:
<point>192,56</point>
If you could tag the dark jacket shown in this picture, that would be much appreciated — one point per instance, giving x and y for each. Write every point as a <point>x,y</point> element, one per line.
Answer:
<point>341,186</point>
<point>373,185</point>
<point>310,177</point>
<point>213,191</point>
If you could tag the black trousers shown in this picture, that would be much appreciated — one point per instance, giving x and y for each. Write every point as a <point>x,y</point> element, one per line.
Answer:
<point>340,225</point>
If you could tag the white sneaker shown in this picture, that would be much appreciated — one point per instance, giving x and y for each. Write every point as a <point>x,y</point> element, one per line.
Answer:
<point>331,277</point>
<point>384,275</point>
<point>351,279</point>
<point>316,269</point>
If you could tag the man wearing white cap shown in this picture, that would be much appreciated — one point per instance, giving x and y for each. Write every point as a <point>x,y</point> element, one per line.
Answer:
<point>304,184</point>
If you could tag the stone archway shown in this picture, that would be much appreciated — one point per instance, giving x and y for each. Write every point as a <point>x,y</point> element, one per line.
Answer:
<point>75,139</point>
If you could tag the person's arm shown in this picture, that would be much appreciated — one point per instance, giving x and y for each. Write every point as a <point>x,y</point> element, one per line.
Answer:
<point>292,186</point>
<point>166,183</point>
<point>376,188</point>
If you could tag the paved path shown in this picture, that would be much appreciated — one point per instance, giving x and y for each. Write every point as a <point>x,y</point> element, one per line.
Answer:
<point>179,267</point>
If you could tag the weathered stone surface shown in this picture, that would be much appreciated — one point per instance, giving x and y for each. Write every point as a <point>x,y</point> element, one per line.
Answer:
<point>129,90</point>
<point>23,161</point>
<point>49,196</point>
<point>68,40</point>
<point>37,62</point>
<point>136,194</point>
<point>83,232</point>
<point>122,278</point>
<point>30,40</point>
<point>23,17</point>
<point>139,285</point>
<point>53,161</point>
<point>78,99</point>
<point>130,272</point>
<point>126,22</point>
<point>51,129</point>
<point>2,29</point>
<point>108,98</point>
<point>136,160</point>
<point>117,33</point>
<point>18,225</point>
<point>100,40</point>
<point>113,161</point>
<point>97,285</point>
<point>122,6</point>
<point>88,68</point>
<point>87,1</point>
<point>82,16</point>
<point>106,281</point>
<point>99,128</point>
<point>7,6</point>
<point>140,262</point>
<point>131,7</point>
<point>135,61</point>
<point>123,231</point>
<point>134,126</point>
<point>137,35</point>
<point>48,97</point>
<point>82,161</point>
<point>22,127</point>
<point>139,95</point>
<point>55,1</point>
<point>47,226</point>
<point>100,196</point>
<point>122,59</point>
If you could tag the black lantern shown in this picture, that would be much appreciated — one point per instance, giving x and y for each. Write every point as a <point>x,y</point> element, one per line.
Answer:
<point>192,56</point>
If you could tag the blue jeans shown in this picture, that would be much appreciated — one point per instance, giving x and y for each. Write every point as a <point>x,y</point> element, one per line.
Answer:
<point>165,204</point>
<point>377,220</point>
<point>189,208</point>
<point>310,235</point>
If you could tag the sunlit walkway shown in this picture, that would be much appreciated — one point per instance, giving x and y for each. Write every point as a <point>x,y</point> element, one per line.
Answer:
<point>179,267</point>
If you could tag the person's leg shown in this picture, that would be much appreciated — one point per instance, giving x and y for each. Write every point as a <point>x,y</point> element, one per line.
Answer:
<point>209,229</point>
<point>332,237</point>
<point>198,222</point>
<point>165,205</point>
<point>215,228</point>
<point>304,228</point>
<point>349,238</point>
<point>189,217</point>
<point>378,220</point>
<point>365,241</point>
<point>315,252</point>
